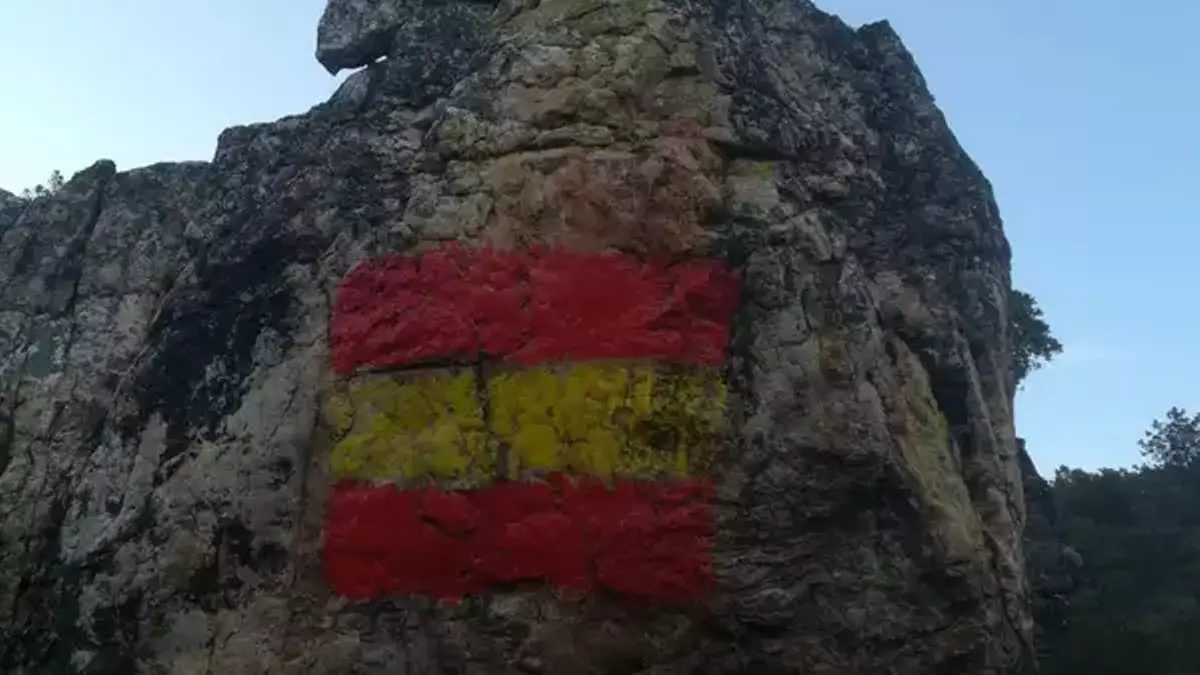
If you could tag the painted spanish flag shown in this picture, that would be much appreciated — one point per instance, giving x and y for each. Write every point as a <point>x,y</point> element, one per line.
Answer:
<point>534,417</point>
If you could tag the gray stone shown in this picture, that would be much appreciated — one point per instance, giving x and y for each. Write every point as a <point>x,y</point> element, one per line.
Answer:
<point>164,356</point>
<point>1053,567</point>
<point>355,33</point>
<point>10,208</point>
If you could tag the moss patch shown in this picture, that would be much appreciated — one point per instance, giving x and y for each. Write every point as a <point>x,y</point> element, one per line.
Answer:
<point>925,443</point>
<point>835,361</point>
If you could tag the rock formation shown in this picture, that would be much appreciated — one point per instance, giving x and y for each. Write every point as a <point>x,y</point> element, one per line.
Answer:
<point>1052,565</point>
<point>166,377</point>
<point>7,200</point>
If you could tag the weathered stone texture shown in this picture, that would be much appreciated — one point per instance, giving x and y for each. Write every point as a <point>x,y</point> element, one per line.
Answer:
<point>1054,567</point>
<point>164,356</point>
<point>8,201</point>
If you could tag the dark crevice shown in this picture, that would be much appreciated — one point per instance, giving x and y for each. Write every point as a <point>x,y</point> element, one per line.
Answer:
<point>215,584</point>
<point>742,150</point>
<point>8,432</point>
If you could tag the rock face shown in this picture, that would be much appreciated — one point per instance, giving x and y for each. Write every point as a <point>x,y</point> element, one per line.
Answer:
<point>165,438</point>
<point>1052,565</point>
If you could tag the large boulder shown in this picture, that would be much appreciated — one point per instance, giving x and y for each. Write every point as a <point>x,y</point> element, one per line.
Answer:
<point>355,33</point>
<point>178,440</point>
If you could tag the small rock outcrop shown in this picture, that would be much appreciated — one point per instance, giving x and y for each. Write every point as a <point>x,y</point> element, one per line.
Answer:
<point>169,407</point>
<point>8,200</point>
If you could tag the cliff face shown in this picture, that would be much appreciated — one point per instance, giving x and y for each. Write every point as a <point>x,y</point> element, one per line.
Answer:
<point>1053,567</point>
<point>167,387</point>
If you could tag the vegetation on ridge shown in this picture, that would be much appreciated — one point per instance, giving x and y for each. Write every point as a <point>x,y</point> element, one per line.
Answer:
<point>53,184</point>
<point>1135,609</point>
<point>1032,342</point>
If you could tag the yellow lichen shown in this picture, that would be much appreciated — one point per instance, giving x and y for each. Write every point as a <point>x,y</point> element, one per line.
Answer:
<point>339,413</point>
<point>928,457</point>
<point>835,361</point>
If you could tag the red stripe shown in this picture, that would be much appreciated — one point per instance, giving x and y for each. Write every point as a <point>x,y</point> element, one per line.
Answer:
<point>531,307</point>
<point>640,539</point>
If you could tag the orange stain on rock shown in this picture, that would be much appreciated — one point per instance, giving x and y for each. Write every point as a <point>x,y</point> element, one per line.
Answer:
<point>656,200</point>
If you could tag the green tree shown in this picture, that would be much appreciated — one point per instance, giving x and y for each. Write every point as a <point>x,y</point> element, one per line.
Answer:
<point>1175,442</point>
<point>1136,608</point>
<point>56,182</point>
<point>52,185</point>
<point>1032,342</point>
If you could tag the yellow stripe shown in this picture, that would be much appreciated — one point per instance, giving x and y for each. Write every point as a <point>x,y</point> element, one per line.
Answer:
<point>427,426</point>
<point>605,420</point>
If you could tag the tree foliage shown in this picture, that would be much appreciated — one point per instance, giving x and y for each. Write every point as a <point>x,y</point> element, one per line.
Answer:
<point>1175,442</point>
<point>1137,607</point>
<point>1030,336</point>
<point>53,184</point>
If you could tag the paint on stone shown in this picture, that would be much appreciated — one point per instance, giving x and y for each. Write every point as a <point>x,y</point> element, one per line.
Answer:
<point>541,417</point>
<point>413,427</point>
<point>606,420</point>
<point>460,305</point>
<point>645,541</point>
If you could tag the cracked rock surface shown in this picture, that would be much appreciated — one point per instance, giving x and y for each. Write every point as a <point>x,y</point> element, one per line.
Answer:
<point>164,354</point>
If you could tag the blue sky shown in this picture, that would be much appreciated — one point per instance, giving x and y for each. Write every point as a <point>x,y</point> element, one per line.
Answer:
<point>1082,114</point>
<point>142,81</point>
